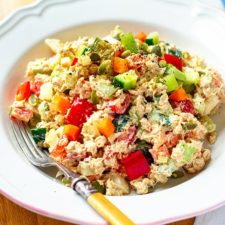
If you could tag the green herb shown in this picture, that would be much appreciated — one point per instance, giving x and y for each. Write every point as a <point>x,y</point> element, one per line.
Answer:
<point>38,134</point>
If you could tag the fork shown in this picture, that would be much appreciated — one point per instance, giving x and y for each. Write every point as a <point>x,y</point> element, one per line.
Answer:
<point>81,185</point>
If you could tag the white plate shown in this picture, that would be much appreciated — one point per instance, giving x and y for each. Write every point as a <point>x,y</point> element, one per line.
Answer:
<point>190,26</point>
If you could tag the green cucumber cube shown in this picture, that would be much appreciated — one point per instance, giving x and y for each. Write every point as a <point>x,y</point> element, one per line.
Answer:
<point>126,80</point>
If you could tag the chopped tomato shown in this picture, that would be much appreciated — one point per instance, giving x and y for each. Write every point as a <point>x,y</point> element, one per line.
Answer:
<point>59,151</point>
<point>172,140</point>
<point>136,165</point>
<point>75,60</point>
<point>128,136</point>
<point>35,87</point>
<point>21,114</point>
<point>122,107</point>
<point>185,106</point>
<point>119,52</point>
<point>162,151</point>
<point>23,92</point>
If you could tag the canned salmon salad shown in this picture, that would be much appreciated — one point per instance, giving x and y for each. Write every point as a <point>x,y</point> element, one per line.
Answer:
<point>127,111</point>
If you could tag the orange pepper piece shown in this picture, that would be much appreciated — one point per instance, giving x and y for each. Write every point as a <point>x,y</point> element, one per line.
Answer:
<point>71,132</point>
<point>120,65</point>
<point>60,103</point>
<point>141,36</point>
<point>106,127</point>
<point>179,95</point>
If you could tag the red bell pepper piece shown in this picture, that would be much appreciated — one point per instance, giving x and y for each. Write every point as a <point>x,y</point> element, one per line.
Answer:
<point>79,111</point>
<point>23,92</point>
<point>75,60</point>
<point>174,60</point>
<point>119,52</point>
<point>136,165</point>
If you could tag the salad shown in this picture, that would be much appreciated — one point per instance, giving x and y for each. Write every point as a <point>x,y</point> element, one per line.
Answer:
<point>125,111</point>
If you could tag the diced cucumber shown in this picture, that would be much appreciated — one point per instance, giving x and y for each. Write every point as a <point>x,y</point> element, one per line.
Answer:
<point>171,82</point>
<point>144,147</point>
<point>126,80</point>
<point>152,38</point>
<point>175,52</point>
<point>192,77</point>
<point>129,42</point>
<point>120,122</point>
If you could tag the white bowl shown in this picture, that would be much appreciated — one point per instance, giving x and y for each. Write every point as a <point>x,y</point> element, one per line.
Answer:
<point>191,26</point>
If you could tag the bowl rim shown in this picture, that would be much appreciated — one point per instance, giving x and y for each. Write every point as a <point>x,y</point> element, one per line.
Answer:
<point>36,9</point>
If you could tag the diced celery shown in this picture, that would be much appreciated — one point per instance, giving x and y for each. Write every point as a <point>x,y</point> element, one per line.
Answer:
<point>81,50</point>
<point>105,67</point>
<point>46,91</point>
<point>129,42</point>
<point>105,89</point>
<point>192,77</point>
<point>126,80</point>
<point>171,82</point>
<point>189,152</point>
<point>208,123</point>
<point>199,103</point>
<point>152,38</point>
<point>177,73</point>
<point>94,98</point>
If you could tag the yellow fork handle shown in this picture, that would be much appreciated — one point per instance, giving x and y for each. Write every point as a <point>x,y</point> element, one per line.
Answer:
<point>107,210</point>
